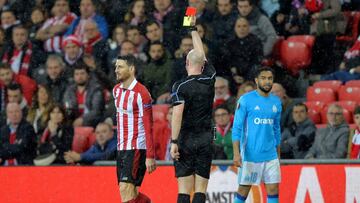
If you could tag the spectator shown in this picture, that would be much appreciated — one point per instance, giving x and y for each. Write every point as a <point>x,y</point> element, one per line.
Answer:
<point>53,28</point>
<point>21,54</point>
<point>178,70</point>
<point>222,94</point>
<point>154,32</point>
<point>157,73</point>
<point>325,25</point>
<point>129,48</point>
<point>137,15</point>
<point>298,22</point>
<point>7,78</point>
<point>2,39</point>
<point>203,14</point>
<point>8,22</point>
<point>17,138</point>
<point>37,20</point>
<point>84,100</point>
<point>223,121</point>
<point>260,25</point>
<point>103,149</point>
<point>134,35</point>
<point>331,142</point>
<point>269,6</point>
<point>347,68</point>
<point>287,104</point>
<point>247,86</point>
<point>54,77</point>
<point>39,110</point>
<point>56,139</point>
<point>94,44</point>
<point>170,17</point>
<point>355,143</point>
<point>162,137</point>
<point>223,23</point>
<point>73,51</point>
<point>15,95</point>
<point>297,139</point>
<point>88,11</point>
<point>118,37</point>
<point>244,53</point>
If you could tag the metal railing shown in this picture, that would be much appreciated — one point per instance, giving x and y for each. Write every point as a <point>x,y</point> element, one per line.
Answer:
<point>230,162</point>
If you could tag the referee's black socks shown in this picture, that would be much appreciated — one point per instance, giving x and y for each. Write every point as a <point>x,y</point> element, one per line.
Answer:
<point>199,197</point>
<point>183,198</point>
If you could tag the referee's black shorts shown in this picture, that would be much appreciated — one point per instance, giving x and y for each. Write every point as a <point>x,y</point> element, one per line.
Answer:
<point>195,154</point>
<point>131,166</point>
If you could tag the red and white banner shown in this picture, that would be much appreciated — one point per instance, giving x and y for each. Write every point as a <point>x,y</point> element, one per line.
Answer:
<point>330,183</point>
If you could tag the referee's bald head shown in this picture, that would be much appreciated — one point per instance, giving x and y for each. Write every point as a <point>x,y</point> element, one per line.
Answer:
<point>195,59</point>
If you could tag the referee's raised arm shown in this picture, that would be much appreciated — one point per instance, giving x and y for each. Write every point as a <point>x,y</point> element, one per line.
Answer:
<point>197,43</point>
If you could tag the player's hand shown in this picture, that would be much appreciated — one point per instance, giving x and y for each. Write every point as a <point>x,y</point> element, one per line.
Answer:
<point>174,152</point>
<point>237,160</point>
<point>150,165</point>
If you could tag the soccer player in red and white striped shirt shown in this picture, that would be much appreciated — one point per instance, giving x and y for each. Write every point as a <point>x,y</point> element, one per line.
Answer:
<point>53,28</point>
<point>134,131</point>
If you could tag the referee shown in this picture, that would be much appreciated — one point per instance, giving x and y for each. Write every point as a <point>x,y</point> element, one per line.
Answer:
<point>192,134</point>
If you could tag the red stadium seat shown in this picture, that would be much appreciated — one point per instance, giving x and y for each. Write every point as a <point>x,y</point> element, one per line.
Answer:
<point>353,83</point>
<point>322,94</point>
<point>332,84</point>
<point>349,94</point>
<point>82,139</point>
<point>347,115</point>
<point>315,105</point>
<point>314,116</point>
<point>352,28</point>
<point>309,40</point>
<point>348,105</point>
<point>295,56</point>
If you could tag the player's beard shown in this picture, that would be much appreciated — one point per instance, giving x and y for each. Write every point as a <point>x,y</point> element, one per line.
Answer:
<point>265,90</point>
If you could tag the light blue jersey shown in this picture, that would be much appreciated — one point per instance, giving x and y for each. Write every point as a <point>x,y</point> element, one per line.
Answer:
<point>257,126</point>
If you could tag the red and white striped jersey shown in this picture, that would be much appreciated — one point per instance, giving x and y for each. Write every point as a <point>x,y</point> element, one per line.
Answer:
<point>134,118</point>
<point>54,44</point>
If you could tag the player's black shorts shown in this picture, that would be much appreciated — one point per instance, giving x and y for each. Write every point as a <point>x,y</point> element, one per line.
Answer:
<point>131,166</point>
<point>195,155</point>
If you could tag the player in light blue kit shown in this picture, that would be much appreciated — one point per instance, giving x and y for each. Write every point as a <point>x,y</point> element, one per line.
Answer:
<point>256,138</point>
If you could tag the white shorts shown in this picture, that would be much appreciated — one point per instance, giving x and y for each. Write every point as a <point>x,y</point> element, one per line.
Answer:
<point>252,173</point>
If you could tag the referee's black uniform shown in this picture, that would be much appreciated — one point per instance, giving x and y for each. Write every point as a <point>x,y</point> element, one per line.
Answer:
<point>196,134</point>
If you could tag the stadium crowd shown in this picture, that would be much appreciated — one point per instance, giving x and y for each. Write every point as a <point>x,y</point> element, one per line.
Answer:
<point>57,72</point>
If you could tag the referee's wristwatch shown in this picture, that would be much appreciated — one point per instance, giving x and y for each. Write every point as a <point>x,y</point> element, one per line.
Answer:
<point>174,141</point>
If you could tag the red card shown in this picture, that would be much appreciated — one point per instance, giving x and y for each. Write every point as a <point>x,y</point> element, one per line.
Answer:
<point>190,11</point>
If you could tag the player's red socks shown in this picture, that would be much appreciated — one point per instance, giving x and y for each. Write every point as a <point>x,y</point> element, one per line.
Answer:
<point>141,198</point>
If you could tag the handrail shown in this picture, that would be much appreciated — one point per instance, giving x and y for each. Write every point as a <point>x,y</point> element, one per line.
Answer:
<point>230,162</point>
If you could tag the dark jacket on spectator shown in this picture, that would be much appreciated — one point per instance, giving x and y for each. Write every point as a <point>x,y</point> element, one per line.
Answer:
<point>157,76</point>
<point>24,148</point>
<point>96,152</point>
<point>297,139</point>
<point>94,102</point>
<point>60,142</point>
<point>245,54</point>
<point>223,27</point>
<point>57,87</point>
